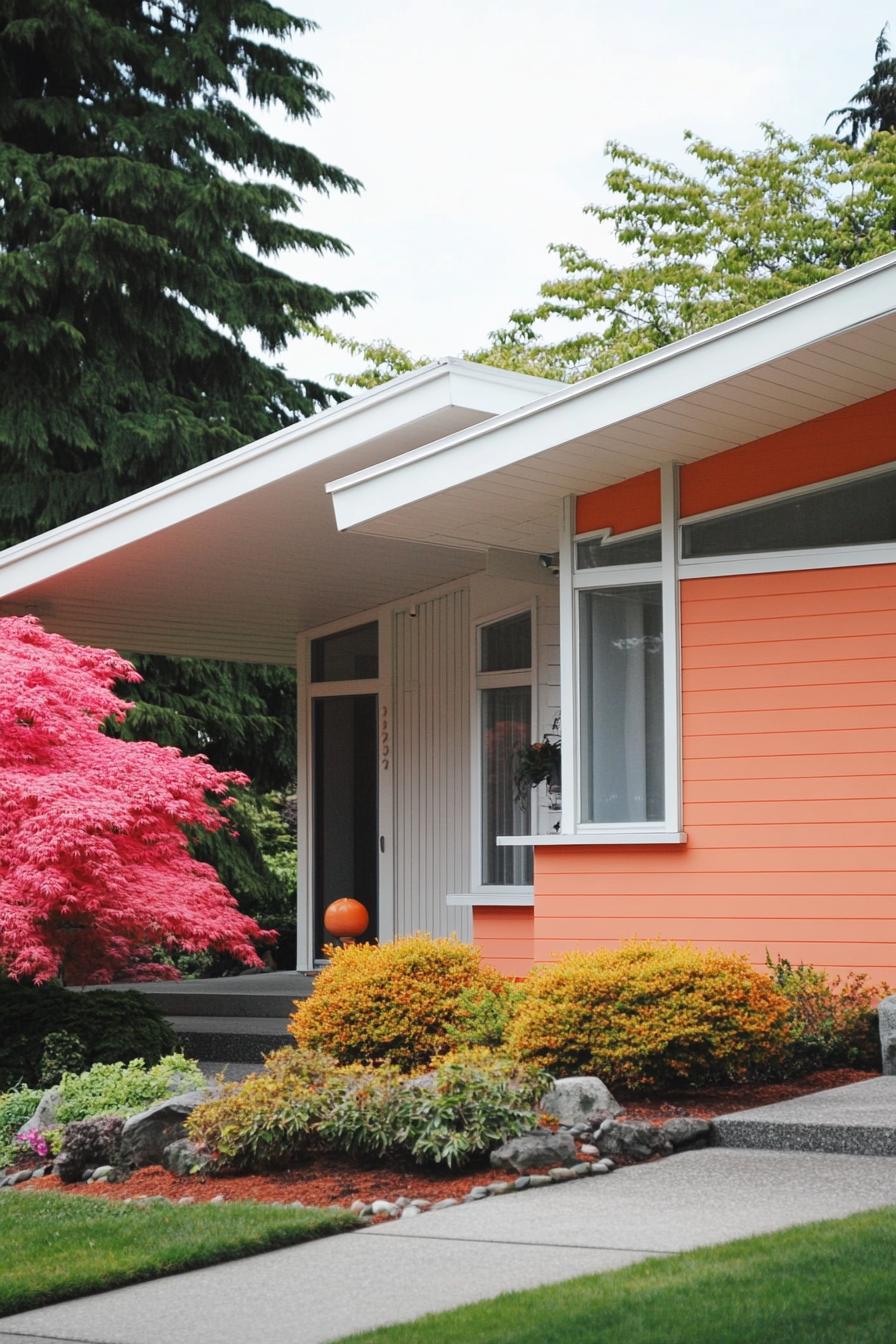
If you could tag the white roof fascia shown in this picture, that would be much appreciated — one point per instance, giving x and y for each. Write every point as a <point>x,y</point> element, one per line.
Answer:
<point>287,452</point>
<point>759,337</point>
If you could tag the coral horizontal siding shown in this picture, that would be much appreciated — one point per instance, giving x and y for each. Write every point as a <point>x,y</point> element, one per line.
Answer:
<point>504,933</point>
<point>789,735</point>
<point>831,445</point>
<point>624,507</point>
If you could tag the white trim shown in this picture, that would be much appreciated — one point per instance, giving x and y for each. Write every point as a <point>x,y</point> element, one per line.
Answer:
<point>287,452</point>
<point>610,536</point>
<point>619,576</point>
<point>671,646</point>
<point>569,707</point>
<point>748,341</point>
<point>523,897</point>
<point>782,562</point>
<point>599,837</point>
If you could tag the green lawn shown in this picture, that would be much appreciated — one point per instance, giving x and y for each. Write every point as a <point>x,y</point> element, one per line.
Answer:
<point>60,1246</point>
<point>830,1283</point>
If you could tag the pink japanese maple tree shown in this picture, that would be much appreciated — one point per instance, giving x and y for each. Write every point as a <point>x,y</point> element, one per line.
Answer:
<point>95,869</point>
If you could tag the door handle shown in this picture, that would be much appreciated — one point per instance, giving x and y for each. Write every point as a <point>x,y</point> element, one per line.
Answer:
<point>382,844</point>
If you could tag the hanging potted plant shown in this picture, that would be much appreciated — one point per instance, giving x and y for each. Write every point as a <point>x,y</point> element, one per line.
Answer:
<point>539,763</point>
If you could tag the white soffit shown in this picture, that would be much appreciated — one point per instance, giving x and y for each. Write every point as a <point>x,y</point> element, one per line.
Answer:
<point>500,483</point>
<point>233,558</point>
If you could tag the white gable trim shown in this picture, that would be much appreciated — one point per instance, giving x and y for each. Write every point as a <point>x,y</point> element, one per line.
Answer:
<point>448,382</point>
<point>814,314</point>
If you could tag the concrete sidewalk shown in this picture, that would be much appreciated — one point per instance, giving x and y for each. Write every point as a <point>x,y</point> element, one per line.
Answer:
<point>328,1289</point>
<point>859,1118</point>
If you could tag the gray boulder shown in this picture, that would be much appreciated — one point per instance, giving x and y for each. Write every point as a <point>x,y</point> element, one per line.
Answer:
<point>45,1112</point>
<point>626,1138</point>
<point>686,1132</point>
<point>183,1158</point>
<point>574,1100</point>
<point>146,1135</point>
<point>886,1016</point>
<point>542,1149</point>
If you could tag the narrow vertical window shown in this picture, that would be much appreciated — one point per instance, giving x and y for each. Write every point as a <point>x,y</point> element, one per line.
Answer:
<point>504,689</point>
<point>621,704</point>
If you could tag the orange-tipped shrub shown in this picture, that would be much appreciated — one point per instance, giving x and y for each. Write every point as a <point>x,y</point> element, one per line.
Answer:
<point>650,1015</point>
<point>394,1003</point>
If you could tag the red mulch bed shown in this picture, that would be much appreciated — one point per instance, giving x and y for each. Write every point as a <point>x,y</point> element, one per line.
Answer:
<point>328,1180</point>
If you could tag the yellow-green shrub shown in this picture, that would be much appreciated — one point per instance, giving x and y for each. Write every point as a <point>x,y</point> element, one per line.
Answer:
<point>268,1118</point>
<point>394,1003</point>
<point>650,1015</point>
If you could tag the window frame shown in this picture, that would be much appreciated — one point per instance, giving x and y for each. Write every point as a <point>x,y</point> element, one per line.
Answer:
<point>795,558</point>
<point>573,581</point>
<point>479,682</point>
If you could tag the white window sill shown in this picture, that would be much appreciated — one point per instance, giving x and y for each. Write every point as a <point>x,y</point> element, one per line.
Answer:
<point>599,838</point>
<point>519,896</point>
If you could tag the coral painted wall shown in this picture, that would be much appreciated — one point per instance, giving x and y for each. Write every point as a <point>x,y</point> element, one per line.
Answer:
<point>505,935</point>
<point>789,740</point>
<point>789,733</point>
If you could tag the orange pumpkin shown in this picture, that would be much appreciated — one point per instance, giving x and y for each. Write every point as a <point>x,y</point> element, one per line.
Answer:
<point>346,918</point>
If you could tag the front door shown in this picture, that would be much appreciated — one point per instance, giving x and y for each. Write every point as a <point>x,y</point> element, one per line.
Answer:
<point>346,830</point>
<point>345,807</point>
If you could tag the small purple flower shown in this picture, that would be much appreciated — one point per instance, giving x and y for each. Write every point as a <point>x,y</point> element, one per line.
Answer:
<point>33,1139</point>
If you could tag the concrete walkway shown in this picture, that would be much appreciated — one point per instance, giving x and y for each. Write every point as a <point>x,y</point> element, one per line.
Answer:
<point>859,1118</point>
<point>396,1272</point>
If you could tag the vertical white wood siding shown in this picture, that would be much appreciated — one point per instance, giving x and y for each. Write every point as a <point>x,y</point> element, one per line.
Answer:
<point>431,728</point>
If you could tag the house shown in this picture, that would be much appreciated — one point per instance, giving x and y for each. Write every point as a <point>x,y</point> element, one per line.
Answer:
<point>687,562</point>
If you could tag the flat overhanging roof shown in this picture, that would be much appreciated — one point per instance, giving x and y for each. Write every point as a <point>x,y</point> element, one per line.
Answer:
<point>501,482</point>
<point>232,559</point>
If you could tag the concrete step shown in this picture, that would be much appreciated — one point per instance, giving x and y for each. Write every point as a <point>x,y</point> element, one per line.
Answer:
<point>245,1039</point>
<point>859,1119</point>
<point>269,994</point>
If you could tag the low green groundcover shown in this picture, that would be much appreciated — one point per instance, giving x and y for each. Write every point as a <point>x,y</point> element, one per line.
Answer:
<point>829,1283</point>
<point>67,1246</point>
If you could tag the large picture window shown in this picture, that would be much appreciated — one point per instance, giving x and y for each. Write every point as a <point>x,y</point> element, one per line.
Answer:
<point>504,691</point>
<point>622,759</point>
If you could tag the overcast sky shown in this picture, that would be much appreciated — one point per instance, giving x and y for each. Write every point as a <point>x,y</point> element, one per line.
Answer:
<point>478,130</point>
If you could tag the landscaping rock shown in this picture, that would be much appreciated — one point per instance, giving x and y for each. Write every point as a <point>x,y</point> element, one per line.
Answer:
<point>534,1150</point>
<point>183,1158</point>
<point>45,1112</point>
<point>581,1169</point>
<point>575,1100</point>
<point>559,1174</point>
<point>411,1211</point>
<point>217,1199</point>
<point>186,1199</point>
<point>522,1182</point>
<point>686,1132</point>
<point>886,1016</point>
<point>499,1187</point>
<point>146,1135</point>
<point>19,1176</point>
<point>100,1172</point>
<point>589,1150</point>
<point>478,1192</point>
<point>629,1139</point>
<point>383,1206</point>
<point>421,1204</point>
<point>535,1182</point>
<point>444,1204</point>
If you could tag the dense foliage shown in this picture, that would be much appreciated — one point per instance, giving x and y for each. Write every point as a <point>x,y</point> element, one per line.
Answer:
<point>144,213</point>
<point>303,1102</point>
<point>832,1023</point>
<point>123,1089</point>
<point>94,865</point>
<point>16,1107</point>
<point>108,1025</point>
<point>396,1003</point>
<point>650,1015</point>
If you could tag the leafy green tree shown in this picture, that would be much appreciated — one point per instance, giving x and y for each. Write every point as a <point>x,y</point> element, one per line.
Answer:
<point>703,246</point>
<point>699,246</point>
<point>873,106</point>
<point>143,209</point>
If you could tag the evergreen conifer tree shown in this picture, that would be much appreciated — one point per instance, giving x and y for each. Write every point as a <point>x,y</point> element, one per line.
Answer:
<point>873,106</point>
<point>142,211</point>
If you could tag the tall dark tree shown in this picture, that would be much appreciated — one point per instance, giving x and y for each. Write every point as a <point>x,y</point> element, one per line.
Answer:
<point>142,212</point>
<point>873,106</point>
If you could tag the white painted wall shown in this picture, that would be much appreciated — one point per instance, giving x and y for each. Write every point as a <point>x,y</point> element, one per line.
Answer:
<point>429,686</point>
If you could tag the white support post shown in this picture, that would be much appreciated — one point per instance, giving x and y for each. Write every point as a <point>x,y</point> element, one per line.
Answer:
<point>569,728</point>
<point>671,645</point>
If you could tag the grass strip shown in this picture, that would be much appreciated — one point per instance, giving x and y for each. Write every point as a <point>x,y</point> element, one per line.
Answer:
<point>54,1247</point>
<point>825,1283</point>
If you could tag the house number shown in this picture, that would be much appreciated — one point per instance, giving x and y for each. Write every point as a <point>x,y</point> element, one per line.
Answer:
<point>384,737</point>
